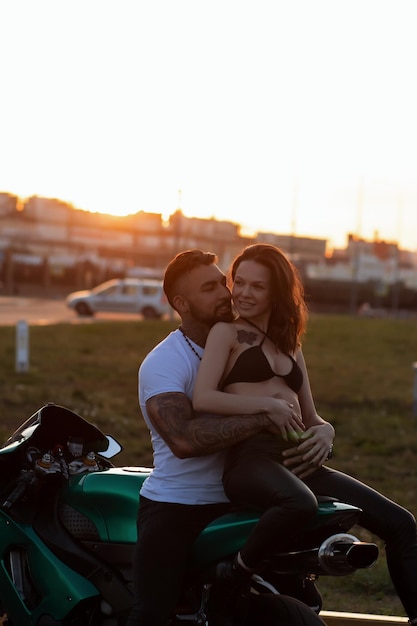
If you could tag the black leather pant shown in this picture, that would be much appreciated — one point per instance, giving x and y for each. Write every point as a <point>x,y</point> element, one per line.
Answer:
<point>255,478</point>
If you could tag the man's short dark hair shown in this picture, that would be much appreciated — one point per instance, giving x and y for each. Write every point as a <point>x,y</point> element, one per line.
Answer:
<point>181,265</point>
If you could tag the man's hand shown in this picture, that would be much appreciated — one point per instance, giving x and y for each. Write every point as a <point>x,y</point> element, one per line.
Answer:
<point>295,461</point>
<point>313,451</point>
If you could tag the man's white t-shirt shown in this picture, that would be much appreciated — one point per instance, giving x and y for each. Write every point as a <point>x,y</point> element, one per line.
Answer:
<point>172,367</point>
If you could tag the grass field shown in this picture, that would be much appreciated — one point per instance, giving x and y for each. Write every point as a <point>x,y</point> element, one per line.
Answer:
<point>362,379</point>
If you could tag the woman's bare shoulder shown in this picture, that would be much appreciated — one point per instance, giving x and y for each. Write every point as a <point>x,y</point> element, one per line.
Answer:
<point>223,329</point>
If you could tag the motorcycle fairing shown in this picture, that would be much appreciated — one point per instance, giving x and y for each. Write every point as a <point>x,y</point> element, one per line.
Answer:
<point>232,530</point>
<point>54,424</point>
<point>55,589</point>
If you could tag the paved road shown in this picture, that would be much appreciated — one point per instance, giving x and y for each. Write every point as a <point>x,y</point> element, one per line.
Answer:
<point>44,311</point>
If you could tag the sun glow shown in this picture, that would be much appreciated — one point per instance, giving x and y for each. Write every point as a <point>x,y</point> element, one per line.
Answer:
<point>274,127</point>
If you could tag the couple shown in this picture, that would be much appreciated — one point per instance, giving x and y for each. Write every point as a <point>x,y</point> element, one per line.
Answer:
<point>254,376</point>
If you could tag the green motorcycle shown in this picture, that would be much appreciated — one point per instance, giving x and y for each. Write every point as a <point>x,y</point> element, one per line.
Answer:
<point>68,528</point>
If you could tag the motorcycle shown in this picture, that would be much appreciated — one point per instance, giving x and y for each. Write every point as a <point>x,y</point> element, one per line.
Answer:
<point>68,528</point>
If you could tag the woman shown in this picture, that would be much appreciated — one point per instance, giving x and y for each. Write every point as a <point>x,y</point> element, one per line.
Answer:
<point>247,364</point>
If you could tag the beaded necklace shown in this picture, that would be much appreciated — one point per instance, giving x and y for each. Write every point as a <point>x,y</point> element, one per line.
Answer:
<point>189,343</point>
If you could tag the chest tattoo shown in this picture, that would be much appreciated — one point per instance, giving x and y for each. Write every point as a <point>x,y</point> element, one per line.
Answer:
<point>246,336</point>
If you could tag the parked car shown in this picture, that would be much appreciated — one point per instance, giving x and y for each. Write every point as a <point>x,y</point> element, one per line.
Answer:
<point>122,295</point>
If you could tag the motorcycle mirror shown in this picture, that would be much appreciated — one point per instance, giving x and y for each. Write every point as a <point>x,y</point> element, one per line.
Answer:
<point>113,448</point>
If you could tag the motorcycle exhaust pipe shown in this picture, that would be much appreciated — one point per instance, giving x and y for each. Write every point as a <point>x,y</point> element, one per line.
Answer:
<point>338,555</point>
<point>343,554</point>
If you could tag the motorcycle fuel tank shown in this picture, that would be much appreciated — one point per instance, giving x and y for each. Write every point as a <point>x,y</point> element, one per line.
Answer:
<point>105,503</point>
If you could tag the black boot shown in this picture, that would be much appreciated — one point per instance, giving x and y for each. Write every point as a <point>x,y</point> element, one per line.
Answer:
<point>231,583</point>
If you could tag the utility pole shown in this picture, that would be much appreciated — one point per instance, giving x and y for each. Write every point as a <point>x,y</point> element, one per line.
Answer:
<point>356,251</point>
<point>396,286</point>
<point>294,219</point>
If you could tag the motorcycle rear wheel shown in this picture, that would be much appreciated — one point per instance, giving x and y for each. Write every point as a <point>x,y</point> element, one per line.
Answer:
<point>276,610</point>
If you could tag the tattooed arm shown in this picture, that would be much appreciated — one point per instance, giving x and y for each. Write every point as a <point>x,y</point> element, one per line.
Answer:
<point>188,435</point>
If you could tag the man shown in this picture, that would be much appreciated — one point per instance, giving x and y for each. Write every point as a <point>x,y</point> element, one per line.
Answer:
<point>184,492</point>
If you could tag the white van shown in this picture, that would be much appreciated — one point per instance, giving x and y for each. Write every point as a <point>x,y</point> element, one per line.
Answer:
<point>122,295</point>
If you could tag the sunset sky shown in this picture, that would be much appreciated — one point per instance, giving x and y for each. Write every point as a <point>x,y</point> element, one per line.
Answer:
<point>293,116</point>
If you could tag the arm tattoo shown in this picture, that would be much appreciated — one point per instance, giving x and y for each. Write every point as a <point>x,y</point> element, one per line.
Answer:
<point>169,413</point>
<point>211,434</point>
<point>173,417</point>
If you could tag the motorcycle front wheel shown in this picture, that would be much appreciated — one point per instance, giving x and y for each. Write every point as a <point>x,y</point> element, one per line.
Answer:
<point>276,610</point>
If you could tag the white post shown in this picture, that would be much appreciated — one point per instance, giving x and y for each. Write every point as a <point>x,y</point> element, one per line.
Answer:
<point>22,346</point>
<point>415,389</point>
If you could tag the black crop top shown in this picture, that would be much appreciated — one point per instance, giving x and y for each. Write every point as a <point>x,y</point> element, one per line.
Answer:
<point>252,366</point>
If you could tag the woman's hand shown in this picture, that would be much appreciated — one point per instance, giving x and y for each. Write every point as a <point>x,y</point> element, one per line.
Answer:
<point>313,451</point>
<point>285,418</point>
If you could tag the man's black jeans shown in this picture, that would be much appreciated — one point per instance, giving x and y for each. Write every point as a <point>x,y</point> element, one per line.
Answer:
<point>166,532</point>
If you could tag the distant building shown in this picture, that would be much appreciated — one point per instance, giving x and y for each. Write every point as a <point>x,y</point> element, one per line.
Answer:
<point>48,242</point>
<point>8,204</point>
<point>307,249</point>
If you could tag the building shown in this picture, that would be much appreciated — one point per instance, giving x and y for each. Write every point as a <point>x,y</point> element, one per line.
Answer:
<point>46,243</point>
<point>51,243</point>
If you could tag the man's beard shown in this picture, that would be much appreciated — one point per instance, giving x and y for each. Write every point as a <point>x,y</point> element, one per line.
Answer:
<point>222,313</point>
